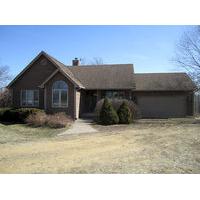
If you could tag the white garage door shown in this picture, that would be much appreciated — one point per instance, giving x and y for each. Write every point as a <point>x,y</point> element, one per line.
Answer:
<point>162,106</point>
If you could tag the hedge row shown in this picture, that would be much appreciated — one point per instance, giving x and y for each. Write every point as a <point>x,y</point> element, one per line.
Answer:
<point>116,103</point>
<point>16,115</point>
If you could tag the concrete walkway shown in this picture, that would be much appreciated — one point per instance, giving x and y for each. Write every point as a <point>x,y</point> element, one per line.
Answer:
<point>80,126</point>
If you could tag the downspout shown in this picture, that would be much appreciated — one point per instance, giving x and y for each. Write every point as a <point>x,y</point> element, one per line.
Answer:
<point>75,102</point>
<point>45,105</point>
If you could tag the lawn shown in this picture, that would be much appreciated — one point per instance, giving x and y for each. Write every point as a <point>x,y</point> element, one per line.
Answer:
<point>137,148</point>
<point>22,133</point>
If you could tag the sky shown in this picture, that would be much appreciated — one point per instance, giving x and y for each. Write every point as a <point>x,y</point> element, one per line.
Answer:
<point>149,48</point>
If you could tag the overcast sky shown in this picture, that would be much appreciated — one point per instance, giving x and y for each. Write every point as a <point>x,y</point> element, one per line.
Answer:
<point>149,48</point>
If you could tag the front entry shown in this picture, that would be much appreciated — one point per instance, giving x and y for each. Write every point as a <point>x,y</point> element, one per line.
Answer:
<point>90,101</point>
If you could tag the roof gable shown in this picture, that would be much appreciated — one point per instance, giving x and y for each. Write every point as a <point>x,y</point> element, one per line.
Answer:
<point>60,66</point>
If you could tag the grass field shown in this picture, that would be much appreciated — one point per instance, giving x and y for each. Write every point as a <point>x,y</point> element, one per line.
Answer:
<point>139,148</point>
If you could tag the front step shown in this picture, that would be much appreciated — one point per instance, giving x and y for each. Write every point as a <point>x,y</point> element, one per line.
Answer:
<point>88,115</point>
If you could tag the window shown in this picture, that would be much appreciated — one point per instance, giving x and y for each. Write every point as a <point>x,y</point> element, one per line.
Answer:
<point>30,98</point>
<point>115,94</point>
<point>59,94</point>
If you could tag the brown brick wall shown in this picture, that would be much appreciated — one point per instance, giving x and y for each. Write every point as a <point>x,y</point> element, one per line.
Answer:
<point>48,87</point>
<point>31,79</point>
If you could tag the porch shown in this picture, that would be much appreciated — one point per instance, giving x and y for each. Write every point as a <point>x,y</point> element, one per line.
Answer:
<point>89,98</point>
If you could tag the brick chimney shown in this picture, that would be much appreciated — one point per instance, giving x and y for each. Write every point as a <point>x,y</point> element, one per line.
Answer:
<point>76,62</point>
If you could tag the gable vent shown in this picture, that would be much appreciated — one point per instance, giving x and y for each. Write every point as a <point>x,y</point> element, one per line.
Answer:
<point>43,62</point>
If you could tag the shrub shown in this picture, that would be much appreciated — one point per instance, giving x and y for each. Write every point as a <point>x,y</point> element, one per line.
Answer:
<point>10,116</point>
<point>22,113</point>
<point>108,114</point>
<point>124,114</point>
<point>116,103</point>
<point>7,114</point>
<point>16,115</point>
<point>58,120</point>
<point>36,119</point>
<point>4,113</point>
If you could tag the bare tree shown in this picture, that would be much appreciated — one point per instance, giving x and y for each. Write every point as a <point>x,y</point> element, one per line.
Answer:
<point>97,61</point>
<point>83,61</point>
<point>5,98</point>
<point>94,61</point>
<point>4,76</point>
<point>188,54</point>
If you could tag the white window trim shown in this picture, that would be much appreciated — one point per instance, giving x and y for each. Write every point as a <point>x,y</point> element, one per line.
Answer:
<point>38,103</point>
<point>59,106</point>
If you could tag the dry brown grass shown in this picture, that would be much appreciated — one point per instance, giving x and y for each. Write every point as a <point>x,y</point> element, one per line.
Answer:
<point>142,148</point>
<point>18,133</point>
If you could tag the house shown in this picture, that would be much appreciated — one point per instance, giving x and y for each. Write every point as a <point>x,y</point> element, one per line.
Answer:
<point>48,84</point>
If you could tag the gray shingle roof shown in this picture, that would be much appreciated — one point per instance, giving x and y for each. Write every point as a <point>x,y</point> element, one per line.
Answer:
<point>118,76</point>
<point>163,82</point>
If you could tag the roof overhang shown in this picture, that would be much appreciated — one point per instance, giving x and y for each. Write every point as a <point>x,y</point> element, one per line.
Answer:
<point>24,70</point>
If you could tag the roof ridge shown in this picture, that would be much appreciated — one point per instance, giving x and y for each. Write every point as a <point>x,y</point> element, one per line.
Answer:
<point>97,65</point>
<point>56,61</point>
<point>53,58</point>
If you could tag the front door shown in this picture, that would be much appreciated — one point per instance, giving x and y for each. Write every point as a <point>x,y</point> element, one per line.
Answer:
<point>91,100</point>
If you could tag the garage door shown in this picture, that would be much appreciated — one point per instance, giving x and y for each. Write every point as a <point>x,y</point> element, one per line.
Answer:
<point>165,106</point>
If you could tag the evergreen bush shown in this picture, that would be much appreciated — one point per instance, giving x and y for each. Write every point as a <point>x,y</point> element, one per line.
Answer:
<point>116,103</point>
<point>108,115</point>
<point>16,115</point>
<point>124,114</point>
